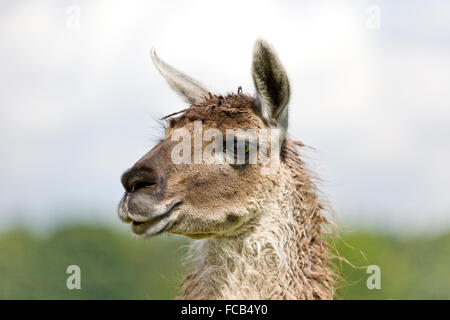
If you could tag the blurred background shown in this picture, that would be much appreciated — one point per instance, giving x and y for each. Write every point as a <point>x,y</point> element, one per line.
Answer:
<point>79,100</point>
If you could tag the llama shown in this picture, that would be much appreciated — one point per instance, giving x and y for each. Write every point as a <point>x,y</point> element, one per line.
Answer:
<point>258,236</point>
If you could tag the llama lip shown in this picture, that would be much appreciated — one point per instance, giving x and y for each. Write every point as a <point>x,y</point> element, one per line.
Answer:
<point>156,224</point>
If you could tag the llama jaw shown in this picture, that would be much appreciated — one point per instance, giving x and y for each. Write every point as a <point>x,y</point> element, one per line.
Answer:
<point>195,236</point>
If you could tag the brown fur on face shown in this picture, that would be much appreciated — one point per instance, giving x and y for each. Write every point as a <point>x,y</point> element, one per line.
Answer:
<point>216,197</point>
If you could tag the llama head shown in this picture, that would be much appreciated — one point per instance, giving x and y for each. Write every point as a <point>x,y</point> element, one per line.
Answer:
<point>214,170</point>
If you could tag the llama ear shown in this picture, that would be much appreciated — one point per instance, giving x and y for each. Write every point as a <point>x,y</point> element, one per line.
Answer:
<point>189,89</point>
<point>271,83</point>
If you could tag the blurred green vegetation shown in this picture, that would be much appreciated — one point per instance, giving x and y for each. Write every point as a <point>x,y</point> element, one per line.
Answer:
<point>114,265</point>
<point>411,268</point>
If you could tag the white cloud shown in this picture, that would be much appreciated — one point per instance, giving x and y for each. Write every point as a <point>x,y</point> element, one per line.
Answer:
<point>77,105</point>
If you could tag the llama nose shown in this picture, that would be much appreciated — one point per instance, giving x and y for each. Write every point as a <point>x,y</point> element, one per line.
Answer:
<point>139,178</point>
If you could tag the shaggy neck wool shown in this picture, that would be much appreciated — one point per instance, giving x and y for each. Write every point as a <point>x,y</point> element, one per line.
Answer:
<point>280,255</point>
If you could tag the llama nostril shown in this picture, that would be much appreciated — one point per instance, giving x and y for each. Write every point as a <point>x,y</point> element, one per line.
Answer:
<point>137,178</point>
<point>141,185</point>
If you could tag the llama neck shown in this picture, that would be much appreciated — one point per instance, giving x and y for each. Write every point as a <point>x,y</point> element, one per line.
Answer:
<point>279,256</point>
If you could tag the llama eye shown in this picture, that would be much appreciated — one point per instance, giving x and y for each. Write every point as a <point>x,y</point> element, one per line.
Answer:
<point>235,147</point>
<point>238,152</point>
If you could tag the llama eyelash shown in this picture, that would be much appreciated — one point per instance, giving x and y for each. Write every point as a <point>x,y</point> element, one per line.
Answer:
<point>243,151</point>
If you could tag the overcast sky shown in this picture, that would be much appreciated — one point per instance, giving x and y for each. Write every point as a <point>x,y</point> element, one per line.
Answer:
<point>370,92</point>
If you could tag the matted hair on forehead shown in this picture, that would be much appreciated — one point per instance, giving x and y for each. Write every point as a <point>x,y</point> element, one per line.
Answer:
<point>237,107</point>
